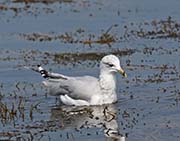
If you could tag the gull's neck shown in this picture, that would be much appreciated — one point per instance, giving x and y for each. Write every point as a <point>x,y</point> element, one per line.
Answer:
<point>107,82</point>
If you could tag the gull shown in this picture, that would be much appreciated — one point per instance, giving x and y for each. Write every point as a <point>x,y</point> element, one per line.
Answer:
<point>86,90</point>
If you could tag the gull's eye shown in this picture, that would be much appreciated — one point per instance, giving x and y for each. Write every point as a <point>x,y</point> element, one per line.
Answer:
<point>110,65</point>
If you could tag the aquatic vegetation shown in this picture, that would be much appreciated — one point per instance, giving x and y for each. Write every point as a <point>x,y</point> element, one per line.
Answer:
<point>106,37</point>
<point>161,29</point>
<point>93,56</point>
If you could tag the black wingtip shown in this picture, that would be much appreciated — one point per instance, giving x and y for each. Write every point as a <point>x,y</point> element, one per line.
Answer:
<point>42,71</point>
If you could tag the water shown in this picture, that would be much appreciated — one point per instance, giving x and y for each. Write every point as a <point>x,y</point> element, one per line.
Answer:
<point>71,37</point>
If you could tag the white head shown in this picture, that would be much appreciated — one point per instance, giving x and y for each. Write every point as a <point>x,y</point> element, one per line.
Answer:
<point>111,64</point>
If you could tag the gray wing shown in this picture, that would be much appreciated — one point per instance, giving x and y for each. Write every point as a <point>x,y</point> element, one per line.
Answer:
<point>76,87</point>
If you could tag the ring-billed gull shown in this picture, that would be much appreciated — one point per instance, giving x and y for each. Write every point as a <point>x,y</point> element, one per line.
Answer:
<point>86,90</point>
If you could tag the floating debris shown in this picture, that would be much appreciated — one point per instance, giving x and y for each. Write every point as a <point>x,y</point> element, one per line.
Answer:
<point>93,56</point>
<point>75,37</point>
<point>158,29</point>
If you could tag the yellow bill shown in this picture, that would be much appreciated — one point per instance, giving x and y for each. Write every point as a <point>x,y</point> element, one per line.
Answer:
<point>122,72</point>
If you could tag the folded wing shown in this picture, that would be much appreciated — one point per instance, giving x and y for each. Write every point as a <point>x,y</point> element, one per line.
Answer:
<point>75,87</point>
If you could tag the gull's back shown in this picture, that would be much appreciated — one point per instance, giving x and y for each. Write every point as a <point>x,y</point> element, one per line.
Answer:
<point>76,87</point>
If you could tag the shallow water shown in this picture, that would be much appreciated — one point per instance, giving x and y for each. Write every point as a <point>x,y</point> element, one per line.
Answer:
<point>70,37</point>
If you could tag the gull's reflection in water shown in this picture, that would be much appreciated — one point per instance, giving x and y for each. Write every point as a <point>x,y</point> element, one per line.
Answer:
<point>104,117</point>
